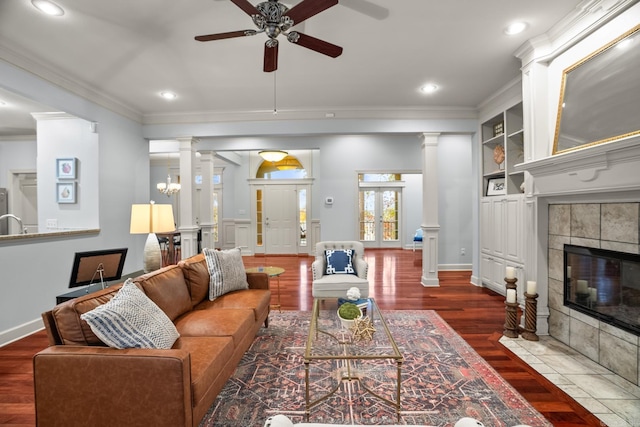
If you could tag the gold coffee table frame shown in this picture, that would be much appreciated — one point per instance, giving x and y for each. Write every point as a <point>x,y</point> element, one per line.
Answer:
<point>272,272</point>
<point>327,341</point>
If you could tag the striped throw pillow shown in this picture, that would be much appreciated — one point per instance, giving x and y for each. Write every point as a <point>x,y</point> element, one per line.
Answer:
<point>131,320</point>
<point>226,271</point>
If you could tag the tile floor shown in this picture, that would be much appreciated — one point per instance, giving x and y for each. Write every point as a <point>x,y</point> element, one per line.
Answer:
<point>608,396</point>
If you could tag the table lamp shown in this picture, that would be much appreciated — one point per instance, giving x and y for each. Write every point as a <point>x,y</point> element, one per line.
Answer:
<point>152,219</point>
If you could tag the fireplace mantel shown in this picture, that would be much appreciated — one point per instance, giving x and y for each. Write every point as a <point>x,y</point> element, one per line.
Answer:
<point>614,166</point>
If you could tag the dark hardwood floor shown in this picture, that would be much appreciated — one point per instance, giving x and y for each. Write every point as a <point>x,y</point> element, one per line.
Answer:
<point>477,314</point>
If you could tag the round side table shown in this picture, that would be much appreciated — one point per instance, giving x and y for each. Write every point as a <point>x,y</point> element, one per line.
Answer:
<point>272,272</point>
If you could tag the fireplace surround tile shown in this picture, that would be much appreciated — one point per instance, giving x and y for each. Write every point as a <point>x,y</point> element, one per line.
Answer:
<point>559,326</point>
<point>584,337</point>
<point>587,243</point>
<point>585,220</point>
<point>560,220</point>
<point>620,222</point>
<point>558,242</point>
<point>621,247</point>
<point>619,355</point>
<point>556,261</point>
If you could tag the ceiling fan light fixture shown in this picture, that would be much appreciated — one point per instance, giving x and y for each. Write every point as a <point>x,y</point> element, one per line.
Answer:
<point>48,7</point>
<point>273,155</point>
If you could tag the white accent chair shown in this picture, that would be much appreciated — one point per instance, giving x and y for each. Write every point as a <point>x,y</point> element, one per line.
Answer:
<point>336,285</point>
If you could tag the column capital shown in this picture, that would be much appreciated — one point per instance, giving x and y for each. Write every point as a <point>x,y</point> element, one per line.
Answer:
<point>430,138</point>
<point>187,141</point>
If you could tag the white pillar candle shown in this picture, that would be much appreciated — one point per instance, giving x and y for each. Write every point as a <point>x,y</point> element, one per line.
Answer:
<point>511,273</point>
<point>593,292</point>
<point>531,287</point>
<point>583,286</point>
<point>511,295</point>
<point>568,272</point>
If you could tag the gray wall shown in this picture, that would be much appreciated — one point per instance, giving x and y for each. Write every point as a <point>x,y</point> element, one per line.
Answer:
<point>34,271</point>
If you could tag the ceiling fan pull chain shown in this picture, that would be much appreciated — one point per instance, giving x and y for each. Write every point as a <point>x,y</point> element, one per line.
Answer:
<point>275,110</point>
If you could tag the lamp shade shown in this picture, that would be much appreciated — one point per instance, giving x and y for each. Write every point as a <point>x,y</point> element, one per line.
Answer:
<point>151,218</point>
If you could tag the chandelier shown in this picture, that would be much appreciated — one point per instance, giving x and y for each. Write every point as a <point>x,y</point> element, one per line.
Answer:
<point>273,155</point>
<point>169,188</point>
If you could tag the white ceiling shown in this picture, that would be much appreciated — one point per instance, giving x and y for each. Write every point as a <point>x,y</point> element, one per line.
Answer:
<point>129,51</point>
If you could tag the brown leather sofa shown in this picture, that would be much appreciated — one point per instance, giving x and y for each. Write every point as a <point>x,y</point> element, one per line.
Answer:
<point>81,382</point>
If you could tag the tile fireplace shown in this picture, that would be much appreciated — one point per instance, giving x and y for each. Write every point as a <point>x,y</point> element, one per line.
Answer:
<point>582,318</point>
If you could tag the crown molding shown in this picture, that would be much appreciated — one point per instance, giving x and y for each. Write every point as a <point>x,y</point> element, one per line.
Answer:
<point>76,87</point>
<point>585,19</point>
<point>390,113</point>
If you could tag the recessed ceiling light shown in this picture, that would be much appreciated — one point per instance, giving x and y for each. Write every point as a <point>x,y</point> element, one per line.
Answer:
<point>623,44</point>
<point>168,95</point>
<point>429,88</point>
<point>48,7</point>
<point>515,28</point>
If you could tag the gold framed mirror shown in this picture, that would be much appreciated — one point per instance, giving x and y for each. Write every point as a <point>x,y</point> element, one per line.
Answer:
<point>600,96</point>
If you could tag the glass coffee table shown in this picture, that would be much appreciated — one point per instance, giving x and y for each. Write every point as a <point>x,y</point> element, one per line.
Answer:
<point>335,357</point>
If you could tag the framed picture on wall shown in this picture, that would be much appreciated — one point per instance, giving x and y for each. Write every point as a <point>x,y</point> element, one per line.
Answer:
<point>66,168</point>
<point>496,187</point>
<point>66,192</point>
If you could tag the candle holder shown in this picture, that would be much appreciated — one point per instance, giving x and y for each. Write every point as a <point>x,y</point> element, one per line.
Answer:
<point>511,320</point>
<point>530,317</point>
<point>511,283</point>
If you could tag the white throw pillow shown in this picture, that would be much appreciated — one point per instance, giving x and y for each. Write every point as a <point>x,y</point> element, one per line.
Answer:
<point>131,320</point>
<point>226,271</point>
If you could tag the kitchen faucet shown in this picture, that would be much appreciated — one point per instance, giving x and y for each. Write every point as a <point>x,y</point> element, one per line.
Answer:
<point>22,227</point>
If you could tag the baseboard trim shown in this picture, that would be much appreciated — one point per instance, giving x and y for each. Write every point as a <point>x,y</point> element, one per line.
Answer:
<point>454,267</point>
<point>21,331</point>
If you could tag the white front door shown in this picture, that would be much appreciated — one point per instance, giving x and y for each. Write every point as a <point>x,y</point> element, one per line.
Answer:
<point>281,219</point>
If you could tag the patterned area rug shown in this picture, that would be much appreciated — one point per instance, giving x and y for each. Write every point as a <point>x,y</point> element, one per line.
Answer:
<point>443,380</point>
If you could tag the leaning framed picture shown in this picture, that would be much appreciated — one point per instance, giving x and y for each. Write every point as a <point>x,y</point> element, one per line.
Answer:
<point>496,187</point>
<point>66,168</point>
<point>66,192</point>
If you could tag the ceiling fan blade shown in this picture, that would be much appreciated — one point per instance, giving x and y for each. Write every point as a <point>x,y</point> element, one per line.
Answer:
<point>313,43</point>
<point>229,35</point>
<point>307,8</point>
<point>270,57</point>
<point>248,8</point>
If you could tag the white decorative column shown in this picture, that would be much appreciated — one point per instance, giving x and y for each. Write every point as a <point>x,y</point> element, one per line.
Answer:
<point>206,199</point>
<point>187,227</point>
<point>430,225</point>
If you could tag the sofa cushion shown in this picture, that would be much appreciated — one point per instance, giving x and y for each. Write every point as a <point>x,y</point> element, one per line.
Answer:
<point>256,299</point>
<point>70,327</point>
<point>236,323</point>
<point>196,275</point>
<point>226,271</point>
<point>167,288</point>
<point>339,261</point>
<point>131,320</point>
<point>208,356</point>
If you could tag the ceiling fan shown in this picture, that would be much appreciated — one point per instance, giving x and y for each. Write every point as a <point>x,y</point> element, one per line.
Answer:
<point>274,18</point>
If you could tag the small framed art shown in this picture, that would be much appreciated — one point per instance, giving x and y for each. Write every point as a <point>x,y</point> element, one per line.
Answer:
<point>496,187</point>
<point>66,168</point>
<point>66,192</point>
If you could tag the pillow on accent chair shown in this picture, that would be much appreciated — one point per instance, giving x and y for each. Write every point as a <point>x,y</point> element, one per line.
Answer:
<point>131,320</point>
<point>226,271</point>
<point>339,261</point>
